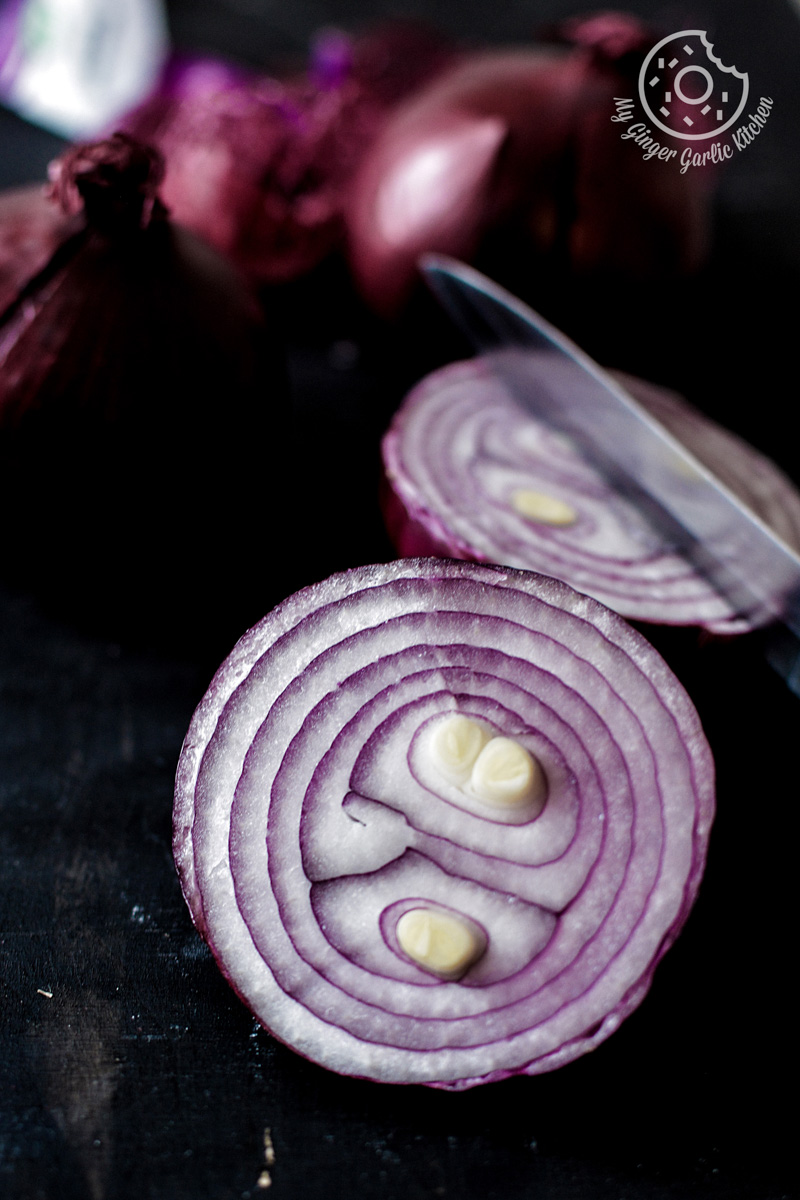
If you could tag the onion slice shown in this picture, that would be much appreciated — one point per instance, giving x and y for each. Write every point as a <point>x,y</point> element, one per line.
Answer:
<point>469,474</point>
<point>439,821</point>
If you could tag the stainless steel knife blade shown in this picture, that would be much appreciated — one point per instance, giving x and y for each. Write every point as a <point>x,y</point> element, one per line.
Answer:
<point>692,510</point>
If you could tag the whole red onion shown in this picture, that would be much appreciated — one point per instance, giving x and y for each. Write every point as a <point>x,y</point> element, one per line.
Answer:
<point>136,382</point>
<point>258,165</point>
<point>522,139</point>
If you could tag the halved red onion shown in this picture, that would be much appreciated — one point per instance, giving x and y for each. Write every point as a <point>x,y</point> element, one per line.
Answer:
<point>438,821</point>
<point>470,475</point>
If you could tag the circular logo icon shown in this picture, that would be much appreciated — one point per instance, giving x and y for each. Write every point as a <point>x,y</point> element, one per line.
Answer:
<point>687,91</point>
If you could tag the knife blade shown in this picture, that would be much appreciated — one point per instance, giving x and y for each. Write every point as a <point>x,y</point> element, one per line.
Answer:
<point>692,511</point>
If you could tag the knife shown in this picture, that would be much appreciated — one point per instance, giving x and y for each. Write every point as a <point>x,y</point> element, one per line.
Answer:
<point>690,509</point>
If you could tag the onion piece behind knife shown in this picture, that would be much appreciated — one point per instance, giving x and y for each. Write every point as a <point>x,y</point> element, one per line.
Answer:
<point>461,452</point>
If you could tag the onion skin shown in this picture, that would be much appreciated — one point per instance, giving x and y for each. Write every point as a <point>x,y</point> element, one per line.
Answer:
<point>558,179</point>
<point>31,230</point>
<point>136,378</point>
<point>437,500</point>
<point>303,829</point>
<point>244,168</point>
<point>259,166</point>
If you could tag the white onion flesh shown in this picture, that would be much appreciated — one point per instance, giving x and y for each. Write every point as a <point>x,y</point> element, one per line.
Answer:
<point>306,826</point>
<point>468,472</point>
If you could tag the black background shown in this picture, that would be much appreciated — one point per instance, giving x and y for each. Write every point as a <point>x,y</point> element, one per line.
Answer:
<point>142,1075</point>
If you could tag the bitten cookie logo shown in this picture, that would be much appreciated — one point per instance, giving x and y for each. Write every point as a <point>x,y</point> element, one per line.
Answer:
<point>687,92</point>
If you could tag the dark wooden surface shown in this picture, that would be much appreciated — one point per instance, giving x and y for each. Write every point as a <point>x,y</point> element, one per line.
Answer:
<point>128,1069</point>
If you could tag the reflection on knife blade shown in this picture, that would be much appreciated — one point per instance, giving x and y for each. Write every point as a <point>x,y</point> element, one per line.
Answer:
<point>691,510</point>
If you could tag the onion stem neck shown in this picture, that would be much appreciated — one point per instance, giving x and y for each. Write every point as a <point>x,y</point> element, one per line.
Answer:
<point>114,183</point>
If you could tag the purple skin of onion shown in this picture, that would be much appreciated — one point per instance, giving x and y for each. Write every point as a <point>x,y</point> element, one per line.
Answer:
<point>132,357</point>
<point>254,165</point>
<point>260,166</point>
<point>460,452</point>
<point>521,140</point>
<point>324,838</point>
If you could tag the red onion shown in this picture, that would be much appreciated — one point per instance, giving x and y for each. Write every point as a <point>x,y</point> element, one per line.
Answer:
<point>31,230</point>
<point>470,475</point>
<point>257,165</point>
<point>438,822</point>
<point>253,167</point>
<point>135,386</point>
<point>522,140</point>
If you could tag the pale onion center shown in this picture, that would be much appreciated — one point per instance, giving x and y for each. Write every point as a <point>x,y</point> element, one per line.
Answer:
<point>454,746</point>
<point>440,942</point>
<point>498,771</point>
<point>506,775</point>
<point>538,506</point>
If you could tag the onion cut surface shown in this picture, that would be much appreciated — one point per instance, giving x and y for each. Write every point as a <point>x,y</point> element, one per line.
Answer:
<point>466,469</point>
<point>377,912</point>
